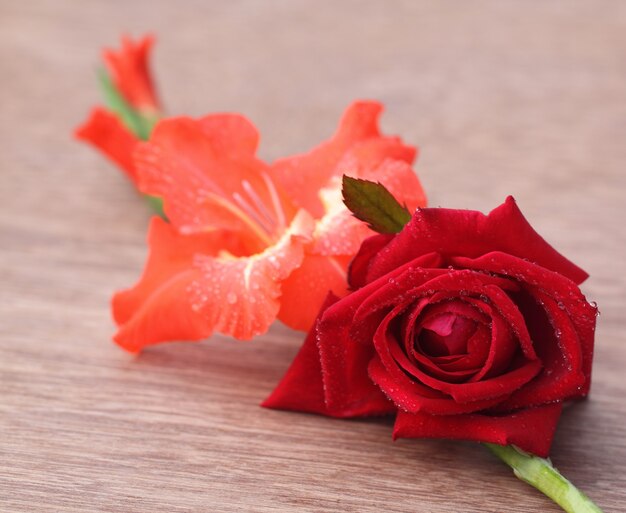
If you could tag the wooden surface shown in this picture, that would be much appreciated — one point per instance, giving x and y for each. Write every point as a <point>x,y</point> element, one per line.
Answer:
<point>527,98</point>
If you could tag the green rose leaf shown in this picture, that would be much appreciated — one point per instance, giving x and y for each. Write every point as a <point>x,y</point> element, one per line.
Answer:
<point>372,203</point>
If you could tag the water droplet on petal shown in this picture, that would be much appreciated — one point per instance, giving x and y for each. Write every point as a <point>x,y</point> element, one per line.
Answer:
<point>231,298</point>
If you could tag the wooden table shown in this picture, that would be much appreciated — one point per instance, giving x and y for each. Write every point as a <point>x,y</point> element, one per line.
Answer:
<point>527,98</point>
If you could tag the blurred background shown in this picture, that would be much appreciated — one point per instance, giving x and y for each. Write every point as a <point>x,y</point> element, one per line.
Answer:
<point>502,97</point>
<point>526,94</point>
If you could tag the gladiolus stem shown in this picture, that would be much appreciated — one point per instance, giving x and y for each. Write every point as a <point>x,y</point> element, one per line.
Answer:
<point>539,473</point>
<point>139,124</point>
<point>156,204</point>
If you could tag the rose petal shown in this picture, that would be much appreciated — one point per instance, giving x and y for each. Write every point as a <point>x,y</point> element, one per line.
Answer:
<point>430,364</point>
<point>358,269</point>
<point>446,367</point>
<point>419,279</point>
<point>448,325</point>
<point>412,397</point>
<point>408,393</point>
<point>478,347</point>
<point>501,350</point>
<point>558,346</point>
<point>508,310</point>
<point>471,234</point>
<point>302,387</point>
<point>345,354</point>
<point>442,325</point>
<point>470,391</point>
<point>531,430</point>
<point>390,291</point>
<point>564,292</point>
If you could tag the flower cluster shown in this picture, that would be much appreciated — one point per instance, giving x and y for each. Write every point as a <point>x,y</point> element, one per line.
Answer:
<point>459,324</point>
<point>243,238</point>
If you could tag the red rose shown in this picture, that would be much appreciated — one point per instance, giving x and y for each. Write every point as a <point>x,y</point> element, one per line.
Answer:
<point>464,325</point>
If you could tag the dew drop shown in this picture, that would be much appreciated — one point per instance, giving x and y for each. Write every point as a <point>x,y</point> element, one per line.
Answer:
<point>231,298</point>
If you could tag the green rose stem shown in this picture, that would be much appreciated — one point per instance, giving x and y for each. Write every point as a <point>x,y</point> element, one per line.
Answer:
<point>540,473</point>
<point>139,124</point>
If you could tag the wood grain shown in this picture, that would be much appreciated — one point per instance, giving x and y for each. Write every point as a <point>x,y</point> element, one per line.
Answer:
<point>523,98</point>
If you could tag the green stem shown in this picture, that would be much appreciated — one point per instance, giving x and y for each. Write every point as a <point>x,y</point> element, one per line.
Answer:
<point>156,204</point>
<point>139,124</point>
<point>540,473</point>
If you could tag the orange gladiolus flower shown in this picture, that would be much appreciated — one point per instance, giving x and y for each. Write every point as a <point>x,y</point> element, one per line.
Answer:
<point>116,133</point>
<point>129,69</point>
<point>249,242</point>
<point>313,182</point>
<point>107,133</point>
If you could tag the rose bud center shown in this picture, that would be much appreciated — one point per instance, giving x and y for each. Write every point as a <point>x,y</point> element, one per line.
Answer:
<point>446,334</point>
<point>456,340</point>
